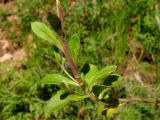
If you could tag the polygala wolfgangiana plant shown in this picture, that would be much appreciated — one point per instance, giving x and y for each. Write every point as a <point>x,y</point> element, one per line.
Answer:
<point>98,85</point>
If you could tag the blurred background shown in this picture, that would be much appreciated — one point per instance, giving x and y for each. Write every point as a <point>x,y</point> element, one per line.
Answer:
<point>121,32</point>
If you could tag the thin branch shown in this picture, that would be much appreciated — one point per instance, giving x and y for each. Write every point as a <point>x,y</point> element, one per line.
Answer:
<point>72,65</point>
<point>124,100</point>
<point>67,53</point>
<point>64,70</point>
<point>60,13</point>
<point>145,100</point>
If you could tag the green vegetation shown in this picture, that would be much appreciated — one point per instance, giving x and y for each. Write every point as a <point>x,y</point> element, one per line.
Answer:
<point>124,33</point>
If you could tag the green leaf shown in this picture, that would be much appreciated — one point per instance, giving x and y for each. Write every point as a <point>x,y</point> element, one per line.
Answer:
<point>85,69</point>
<point>55,22</point>
<point>56,103</point>
<point>100,109</point>
<point>105,72</point>
<point>111,111</point>
<point>82,76</point>
<point>74,46</point>
<point>58,79</point>
<point>75,97</point>
<point>113,80</point>
<point>91,74</point>
<point>102,74</point>
<point>57,57</point>
<point>44,32</point>
<point>97,89</point>
<point>104,94</point>
<point>61,99</point>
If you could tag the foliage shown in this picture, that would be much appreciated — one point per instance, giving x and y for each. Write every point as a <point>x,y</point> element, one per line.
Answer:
<point>122,36</point>
<point>91,80</point>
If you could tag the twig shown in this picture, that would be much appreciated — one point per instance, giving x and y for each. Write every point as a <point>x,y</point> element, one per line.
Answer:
<point>67,53</point>
<point>125,100</point>
<point>60,14</point>
<point>64,70</point>
<point>145,100</point>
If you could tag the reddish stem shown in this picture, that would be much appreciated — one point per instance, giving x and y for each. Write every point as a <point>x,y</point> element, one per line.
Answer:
<point>72,64</point>
<point>67,53</point>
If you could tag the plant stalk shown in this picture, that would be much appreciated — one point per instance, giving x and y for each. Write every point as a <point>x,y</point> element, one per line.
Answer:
<point>145,100</point>
<point>67,53</point>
